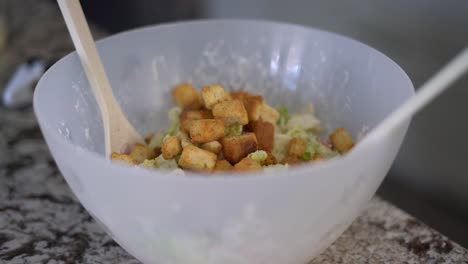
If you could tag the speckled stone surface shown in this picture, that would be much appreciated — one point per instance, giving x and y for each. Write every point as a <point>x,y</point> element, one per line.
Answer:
<point>42,222</point>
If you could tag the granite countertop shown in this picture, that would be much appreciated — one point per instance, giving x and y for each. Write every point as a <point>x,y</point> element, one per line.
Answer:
<point>42,222</point>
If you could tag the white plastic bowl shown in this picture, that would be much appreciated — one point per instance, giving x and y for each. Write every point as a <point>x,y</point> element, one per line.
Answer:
<point>284,217</point>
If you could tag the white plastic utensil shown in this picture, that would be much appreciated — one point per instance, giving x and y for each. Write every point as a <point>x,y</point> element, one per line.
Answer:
<point>118,132</point>
<point>438,83</point>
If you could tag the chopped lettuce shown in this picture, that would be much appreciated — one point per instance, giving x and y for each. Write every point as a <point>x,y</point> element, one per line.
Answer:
<point>280,146</point>
<point>166,164</point>
<point>276,167</point>
<point>173,116</point>
<point>310,149</point>
<point>321,149</point>
<point>308,155</point>
<point>160,163</point>
<point>304,126</point>
<point>156,141</point>
<point>305,121</point>
<point>299,133</point>
<point>149,164</point>
<point>284,117</point>
<point>177,171</point>
<point>325,151</point>
<point>233,130</point>
<point>259,156</point>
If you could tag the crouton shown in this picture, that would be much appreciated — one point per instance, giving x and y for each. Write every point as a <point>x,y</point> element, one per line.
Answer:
<point>222,165</point>
<point>195,114</point>
<point>269,114</point>
<point>240,95</point>
<point>247,164</point>
<point>318,157</point>
<point>171,148</point>
<point>157,151</point>
<point>194,158</point>
<point>253,105</point>
<point>141,152</point>
<point>206,130</point>
<point>212,146</point>
<point>186,96</point>
<point>123,158</point>
<point>148,137</point>
<point>291,160</point>
<point>296,147</point>
<point>184,139</point>
<point>243,96</point>
<point>270,160</point>
<point>231,112</point>
<point>213,94</point>
<point>236,148</point>
<point>185,126</point>
<point>220,155</point>
<point>257,109</point>
<point>265,133</point>
<point>341,140</point>
<point>187,115</point>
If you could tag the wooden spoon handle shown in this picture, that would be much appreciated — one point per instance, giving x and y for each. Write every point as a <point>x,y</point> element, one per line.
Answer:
<point>117,129</point>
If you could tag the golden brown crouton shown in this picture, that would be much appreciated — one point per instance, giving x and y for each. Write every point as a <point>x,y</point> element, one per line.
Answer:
<point>148,137</point>
<point>269,114</point>
<point>240,95</point>
<point>231,112</point>
<point>206,130</point>
<point>194,158</point>
<point>186,96</point>
<point>341,140</point>
<point>184,139</point>
<point>222,165</point>
<point>187,115</point>
<point>212,146</point>
<point>141,152</point>
<point>213,94</point>
<point>171,148</point>
<point>123,158</point>
<point>185,125</point>
<point>195,114</point>
<point>253,105</point>
<point>265,133</point>
<point>157,151</point>
<point>318,157</point>
<point>247,164</point>
<point>270,160</point>
<point>291,160</point>
<point>257,109</point>
<point>296,147</point>
<point>236,148</point>
<point>243,96</point>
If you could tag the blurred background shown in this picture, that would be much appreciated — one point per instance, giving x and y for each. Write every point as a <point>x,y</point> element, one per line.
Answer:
<point>430,176</point>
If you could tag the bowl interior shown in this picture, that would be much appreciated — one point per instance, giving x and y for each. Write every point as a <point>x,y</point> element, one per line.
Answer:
<point>350,84</point>
<point>274,218</point>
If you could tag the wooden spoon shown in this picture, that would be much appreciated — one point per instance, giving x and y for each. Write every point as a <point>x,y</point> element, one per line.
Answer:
<point>118,132</point>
